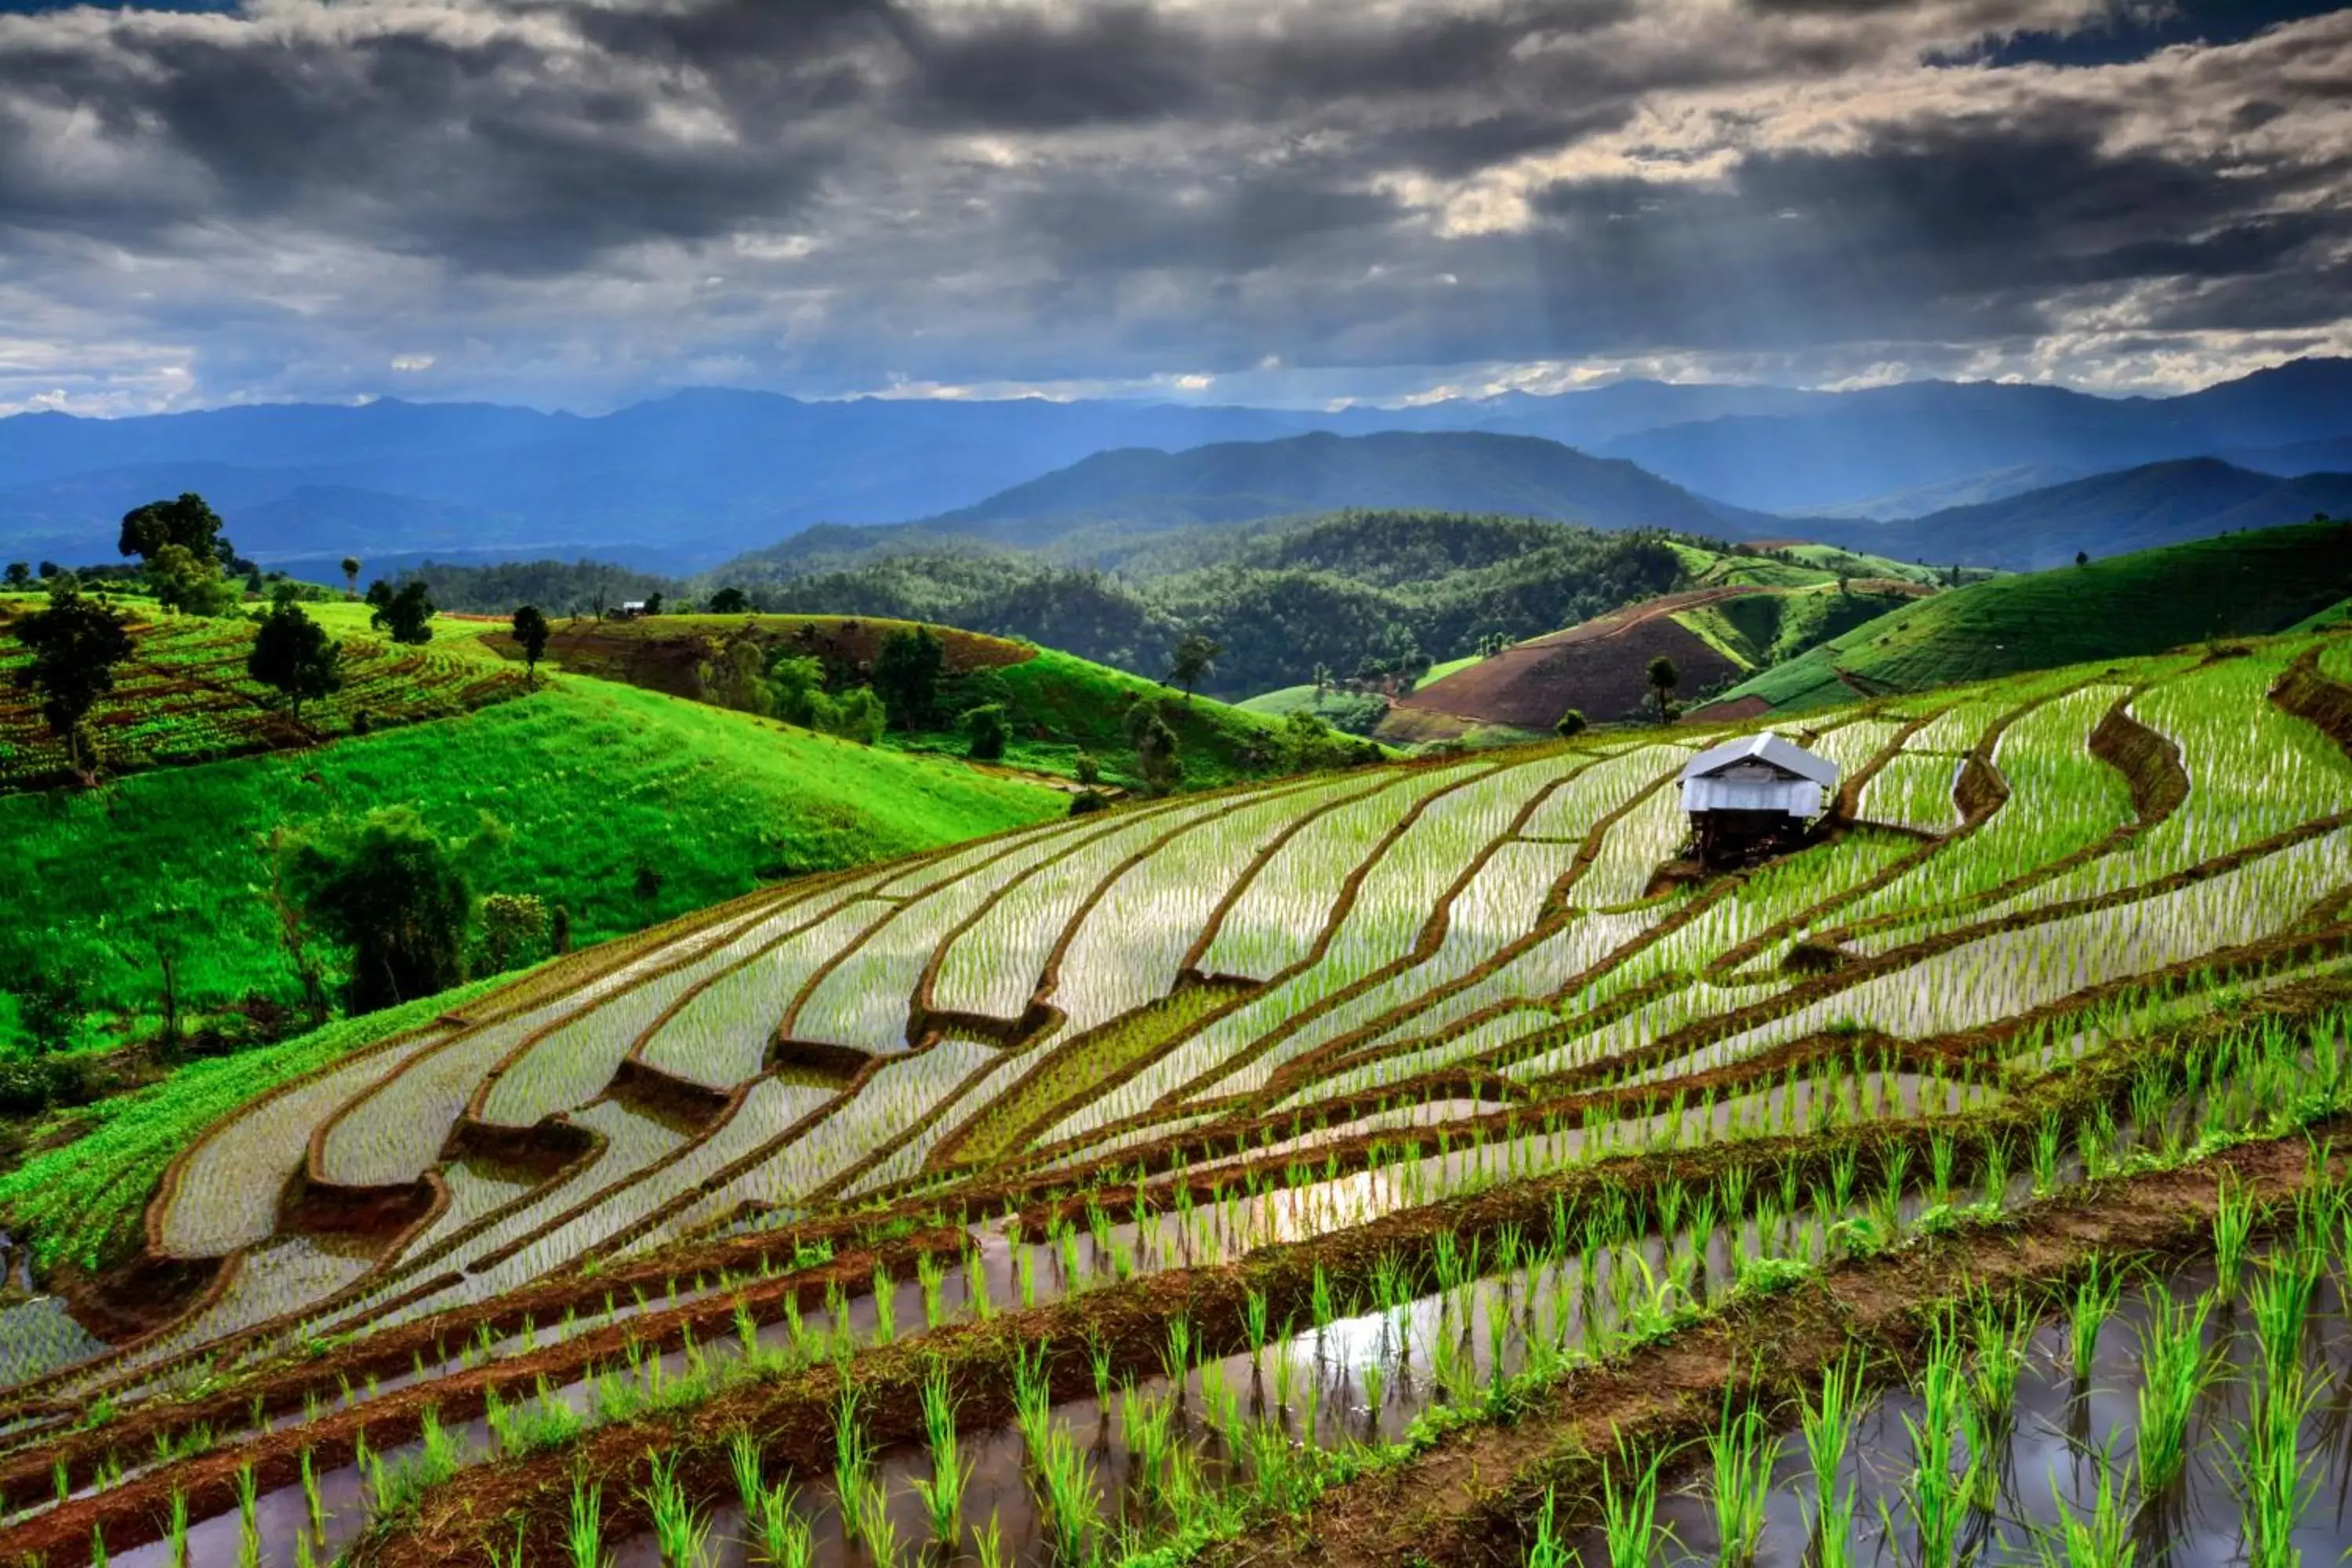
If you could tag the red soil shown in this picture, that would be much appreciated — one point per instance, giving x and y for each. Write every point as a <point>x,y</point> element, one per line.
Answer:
<point>1599,668</point>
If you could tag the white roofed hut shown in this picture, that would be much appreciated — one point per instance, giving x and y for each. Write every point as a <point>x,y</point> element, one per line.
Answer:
<point>1755,797</point>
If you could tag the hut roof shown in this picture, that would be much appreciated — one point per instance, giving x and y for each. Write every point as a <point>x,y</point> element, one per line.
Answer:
<point>1766,747</point>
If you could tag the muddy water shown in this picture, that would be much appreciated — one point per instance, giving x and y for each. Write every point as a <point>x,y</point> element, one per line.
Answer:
<point>2056,1446</point>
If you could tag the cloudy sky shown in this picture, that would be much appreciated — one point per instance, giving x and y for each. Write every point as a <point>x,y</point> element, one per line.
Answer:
<point>576,202</point>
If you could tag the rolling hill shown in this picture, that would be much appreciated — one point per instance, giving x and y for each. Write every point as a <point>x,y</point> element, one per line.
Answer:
<point>2107,515</point>
<point>2248,584</point>
<point>1058,707</point>
<point>624,808</point>
<point>1714,635</point>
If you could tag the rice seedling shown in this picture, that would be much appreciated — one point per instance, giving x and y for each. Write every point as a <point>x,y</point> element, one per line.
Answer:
<point>1938,1500</point>
<point>942,1494</point>
<point>2273,1471</point>
<point>2093,1304</point>
<point>2174,1372</point>
<point>784,1539</point>
<point>2233,1224</point>
<point>679,1527</point>
<point>1629,1510</point>
<point>585,1536</point>
<point>1743,1451</point>
<point>2106,1538</point>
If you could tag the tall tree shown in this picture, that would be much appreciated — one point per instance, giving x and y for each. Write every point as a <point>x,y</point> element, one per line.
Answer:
<point>75,646</point>
<point>1194,658</point>
<point>1664,678</point>
<point>730,601</point>
<point>187,522</point>
<point>351,573</point>
<point>907,675</point>
<point>405,613</point>
<point>293,653</point>
<point>394,892</point>
<point>531,636</point>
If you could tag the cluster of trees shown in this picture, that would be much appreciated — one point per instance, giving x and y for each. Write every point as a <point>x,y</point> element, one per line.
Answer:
<point>1375,596</point>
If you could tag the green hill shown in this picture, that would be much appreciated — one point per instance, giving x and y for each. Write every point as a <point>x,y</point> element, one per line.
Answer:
<point>1056,706</point>
<point>2245,585</point>
<point>625,806</point>
<point>183,695</point>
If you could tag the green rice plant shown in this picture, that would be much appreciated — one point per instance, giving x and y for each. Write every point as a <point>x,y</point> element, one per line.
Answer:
<point>1629,1510</point>
<point>853,1463</point>
<point>1068,1494</point>
<point>2281,1297</point>
<point>943,1495</point>
<point>2233,1225</point>
<point>785,1539</point>
<point>2174,1372</point>
<point>988,1544</point>
<point>2093,1303</point>
<point>680,1528</point>
<point>584,1538</point>
<point>2273,1473</point>
<point>1940,1492</point>
<point>885,1307</point>
<point>175,1537</point>
<point>249,1521</point>
<point>1548,1550</point>
<point>2001,1339</point>
<point>744,1461</point>
<point>1743,1450</point>
<point>2104,1539</point>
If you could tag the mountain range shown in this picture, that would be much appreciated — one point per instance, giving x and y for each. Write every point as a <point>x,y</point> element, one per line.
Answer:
<point>690,479</point>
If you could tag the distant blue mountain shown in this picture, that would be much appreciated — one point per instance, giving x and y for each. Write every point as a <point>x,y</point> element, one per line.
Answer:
<point>699,475</point>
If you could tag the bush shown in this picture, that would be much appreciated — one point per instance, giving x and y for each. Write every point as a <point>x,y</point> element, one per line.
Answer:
<point>985,731</point>
<point>1088,800</point>
<point>29,1087</point>
<point>1089,771</point>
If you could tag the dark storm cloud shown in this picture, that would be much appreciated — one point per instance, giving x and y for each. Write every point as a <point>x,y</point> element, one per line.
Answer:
<point>845,189</point>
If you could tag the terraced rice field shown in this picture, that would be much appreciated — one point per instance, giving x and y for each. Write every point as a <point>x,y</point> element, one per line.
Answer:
<point>184,697</point>
<point>1162,1179</point>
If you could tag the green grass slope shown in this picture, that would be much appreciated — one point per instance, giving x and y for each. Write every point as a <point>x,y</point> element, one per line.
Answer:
<point>626,806</point>
<point>1056,704</point>
<point>2243,585</point>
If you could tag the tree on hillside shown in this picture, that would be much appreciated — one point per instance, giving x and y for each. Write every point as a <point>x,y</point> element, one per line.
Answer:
<point>986,732</point>
<point>531,636</point>
<point>1149,732</point>
<point>1664,678</point>
<point>351,573</point>
<point>2082,558</point>
<point>183,580</point>
<point>393,891</point>
<point>187,522</point>
<point>19,575</point>
<point>1194,658</point>
<point>653,603</point>
<point>907,675</point>
<point>404,614</point>
<point>511,923</point>
<point>1572,724</point>
<point>75,646</point>
<point>730,601</point>
<point>293,654</point>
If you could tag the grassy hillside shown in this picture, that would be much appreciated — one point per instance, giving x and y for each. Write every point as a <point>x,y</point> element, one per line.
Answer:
<point>625,806</point>
<point>2248,583</point>
<point>1058,706</point>
<point>1716,636</point>
<point>183,695</point>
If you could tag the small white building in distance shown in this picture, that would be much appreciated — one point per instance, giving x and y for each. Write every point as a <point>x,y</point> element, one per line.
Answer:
<point>1754,795</point>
